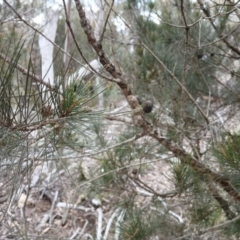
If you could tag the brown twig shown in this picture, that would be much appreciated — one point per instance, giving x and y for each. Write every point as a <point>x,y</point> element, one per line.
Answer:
<point>75,41</point>
<point>207,13</point>
<point>184,73</point>
<point>185,158</point>
<point>178,82</point>
<point>106,21</point>
<point>221,201</point>
<point>97,46</point>
<point>26,72</point>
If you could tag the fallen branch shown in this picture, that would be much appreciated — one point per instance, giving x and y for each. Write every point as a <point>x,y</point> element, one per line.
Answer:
<point>105,237</point>
<point>118,224</point>
<point>83,229</point>
<point>53,206</point>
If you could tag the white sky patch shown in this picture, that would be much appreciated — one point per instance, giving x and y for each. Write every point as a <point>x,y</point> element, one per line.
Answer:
<point>152,16</point>
<point>55,5</point>
<point>91,6</point>
<point>120,26</point>
<point>39,19</point>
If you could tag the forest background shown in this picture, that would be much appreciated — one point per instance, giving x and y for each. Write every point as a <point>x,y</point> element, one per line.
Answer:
<point>119,119</point>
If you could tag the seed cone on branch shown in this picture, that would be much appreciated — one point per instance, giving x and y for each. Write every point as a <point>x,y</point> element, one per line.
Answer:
<point>147,106</point>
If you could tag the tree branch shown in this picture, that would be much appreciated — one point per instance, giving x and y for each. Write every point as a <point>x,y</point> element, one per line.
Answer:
<point>221,201</point>
<point>139,119</point>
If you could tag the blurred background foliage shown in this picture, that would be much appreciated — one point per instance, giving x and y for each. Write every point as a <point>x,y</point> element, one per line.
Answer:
<point>70,133</point>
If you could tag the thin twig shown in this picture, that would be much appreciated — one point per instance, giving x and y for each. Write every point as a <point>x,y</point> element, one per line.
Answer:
<point>178,82</point>
<point>83,229</point>
<point>26,72</point>
<point>214,228</point>
<point>99,223</point>
<point>53,206</point>
<point>119,119</point>
<point>75,233</point>
<point>105,237</point>
<point>207,13</point>
<point>75,40</point>
<point>115,145</point>
<point>122,168</point>
<point>187,28</point>
<point>221,201</point>
<point>118,223</point>
<point>106,21</point>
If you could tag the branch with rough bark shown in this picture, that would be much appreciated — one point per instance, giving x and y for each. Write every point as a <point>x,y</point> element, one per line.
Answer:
<point>138,117</point>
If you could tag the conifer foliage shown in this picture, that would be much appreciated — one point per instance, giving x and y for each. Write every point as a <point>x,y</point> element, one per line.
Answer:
<point>135,135</point>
